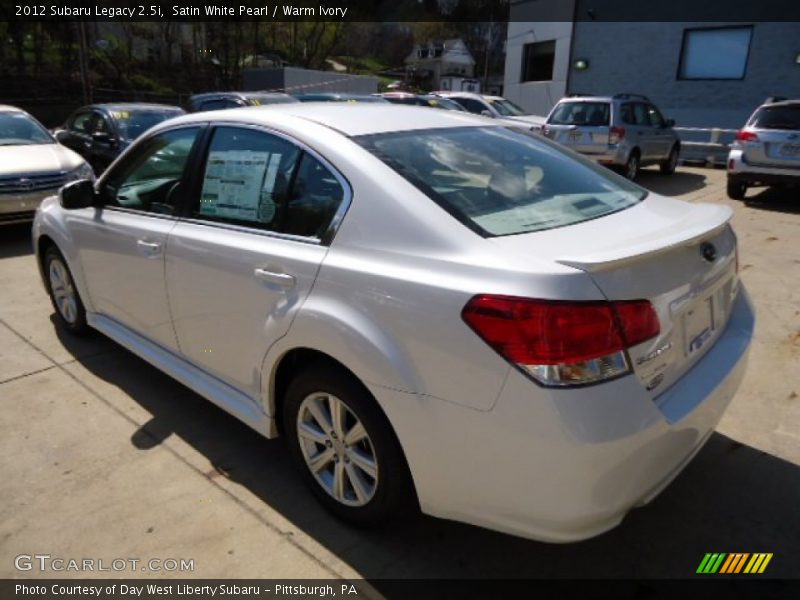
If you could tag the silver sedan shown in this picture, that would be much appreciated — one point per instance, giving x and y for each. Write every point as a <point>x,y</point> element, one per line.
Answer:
<point>436,311</point>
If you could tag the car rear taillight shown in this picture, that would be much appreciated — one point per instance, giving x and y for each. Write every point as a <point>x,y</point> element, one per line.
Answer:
<point>615,134</point>
<point>746,136</point>
<point>562,343</point>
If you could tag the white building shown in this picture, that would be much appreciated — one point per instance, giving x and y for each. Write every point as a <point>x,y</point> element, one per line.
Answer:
<point>438,65</point>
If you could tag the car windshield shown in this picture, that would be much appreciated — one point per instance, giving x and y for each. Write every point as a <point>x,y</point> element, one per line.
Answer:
<point>445,103</point>
<point>258,100</point>
<point>777,117</point>
<point>498,181</point>
<point>580,113</point>
<point>18,129</point>
<point>133,123</point>
<point>506,107</point>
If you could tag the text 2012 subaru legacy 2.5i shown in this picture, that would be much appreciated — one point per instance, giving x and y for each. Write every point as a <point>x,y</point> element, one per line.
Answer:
<point>431,308</point>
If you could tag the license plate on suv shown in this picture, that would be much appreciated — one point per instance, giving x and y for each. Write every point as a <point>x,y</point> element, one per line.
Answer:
<point>791,150</point>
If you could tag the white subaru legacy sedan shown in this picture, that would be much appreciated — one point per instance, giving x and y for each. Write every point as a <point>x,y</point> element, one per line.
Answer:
<point>434,310</point>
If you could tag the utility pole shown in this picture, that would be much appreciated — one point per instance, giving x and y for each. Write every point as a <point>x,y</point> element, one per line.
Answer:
<point>82,59</point>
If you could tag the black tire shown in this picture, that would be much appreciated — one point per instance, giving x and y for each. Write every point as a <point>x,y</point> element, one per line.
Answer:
<point>632,166</point>
<point>667,167</point>
<point>393,494</point>
<point>74,322</point>
<point>736,189</point>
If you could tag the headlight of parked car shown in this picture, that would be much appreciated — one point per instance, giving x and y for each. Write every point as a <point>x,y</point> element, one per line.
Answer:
<point>83,172</point>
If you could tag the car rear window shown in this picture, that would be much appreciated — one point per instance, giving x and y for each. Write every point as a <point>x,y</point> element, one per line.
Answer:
<point>777,117</point>
<point>581,113</point>
<point>499,181</point>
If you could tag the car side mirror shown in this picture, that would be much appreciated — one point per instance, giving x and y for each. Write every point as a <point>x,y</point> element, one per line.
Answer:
<point>61,136</point>
<point>78,194</point>
<point>486,113</point>
<point>670,123</point>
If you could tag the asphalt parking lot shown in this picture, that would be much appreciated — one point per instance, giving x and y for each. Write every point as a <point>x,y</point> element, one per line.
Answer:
<point>105,457</point>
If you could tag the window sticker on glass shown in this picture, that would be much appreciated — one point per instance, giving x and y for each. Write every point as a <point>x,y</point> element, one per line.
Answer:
<point>121,114</point>
<point>238,184</point>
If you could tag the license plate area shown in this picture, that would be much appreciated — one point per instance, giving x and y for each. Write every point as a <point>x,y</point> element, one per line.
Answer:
<point>790,150</point>
<point>698,325</point>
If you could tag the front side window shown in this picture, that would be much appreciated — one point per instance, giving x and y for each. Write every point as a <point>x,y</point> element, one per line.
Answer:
<point>656,120</point>
<point>498,181</point>
<point>81,122</point>
<point>715,53</point>
<point>149,179</point>
<point>100,125</point>
<point>256,179</point>
<point>18,129</point>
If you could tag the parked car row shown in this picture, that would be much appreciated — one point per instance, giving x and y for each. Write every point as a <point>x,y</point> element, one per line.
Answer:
<point>436,310</point>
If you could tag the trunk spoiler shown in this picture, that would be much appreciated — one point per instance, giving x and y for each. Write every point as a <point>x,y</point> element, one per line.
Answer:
<point>703,221</point>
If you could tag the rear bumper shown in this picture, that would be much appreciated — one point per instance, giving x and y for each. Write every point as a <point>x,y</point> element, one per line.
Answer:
<point>565,465</point>
<point>741,170</point>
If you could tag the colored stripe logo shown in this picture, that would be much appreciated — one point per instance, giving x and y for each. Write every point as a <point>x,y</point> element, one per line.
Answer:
<point>734,563</point>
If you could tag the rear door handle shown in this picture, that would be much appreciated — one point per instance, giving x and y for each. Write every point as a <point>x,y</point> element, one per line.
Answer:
<point>281,279</point>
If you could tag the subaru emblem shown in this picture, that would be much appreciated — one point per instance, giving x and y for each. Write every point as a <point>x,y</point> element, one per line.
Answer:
<point>708,251</point>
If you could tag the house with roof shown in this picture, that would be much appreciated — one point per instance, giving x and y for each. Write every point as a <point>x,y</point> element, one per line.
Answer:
<point>442,65</point>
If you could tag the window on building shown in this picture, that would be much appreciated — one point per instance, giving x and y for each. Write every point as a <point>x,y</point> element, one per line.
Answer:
<point>537,61</point>
<point>719,53</point>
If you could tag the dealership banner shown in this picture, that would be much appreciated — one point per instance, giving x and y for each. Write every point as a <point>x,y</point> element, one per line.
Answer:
<point>416,589</point>
<point>400,10</point>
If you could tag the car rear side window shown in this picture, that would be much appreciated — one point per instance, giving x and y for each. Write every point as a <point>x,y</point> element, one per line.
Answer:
<point>640,115</point>
<point>260,180</point>
<point>777,117</point>
<point>581,113</point>
<point>497,181</point>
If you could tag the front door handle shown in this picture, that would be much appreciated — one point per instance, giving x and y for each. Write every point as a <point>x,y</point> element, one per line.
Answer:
<point>278,278</point>
<point>149,248</point>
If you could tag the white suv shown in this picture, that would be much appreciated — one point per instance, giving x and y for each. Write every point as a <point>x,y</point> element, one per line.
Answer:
<point>495,107</point>
<point>766,151</point>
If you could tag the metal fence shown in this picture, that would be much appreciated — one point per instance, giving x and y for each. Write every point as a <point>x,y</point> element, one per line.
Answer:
<point>705,146</point>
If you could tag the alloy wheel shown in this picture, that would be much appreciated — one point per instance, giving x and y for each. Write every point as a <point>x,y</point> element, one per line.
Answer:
<point>337,449</point>
<point>63,291</point>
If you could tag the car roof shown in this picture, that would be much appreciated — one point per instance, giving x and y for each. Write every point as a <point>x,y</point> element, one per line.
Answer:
<point>795,102</point>
<point>588,98</point>
<point>9,108</point>
<point>350,119</point>
<point>138,106</point>
<point>446,94</point>
<point>205,95</point>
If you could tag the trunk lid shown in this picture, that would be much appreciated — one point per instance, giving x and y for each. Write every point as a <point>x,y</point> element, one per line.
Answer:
<point>585,139</point>
<point>681,257</point>
<point>774,148</point>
